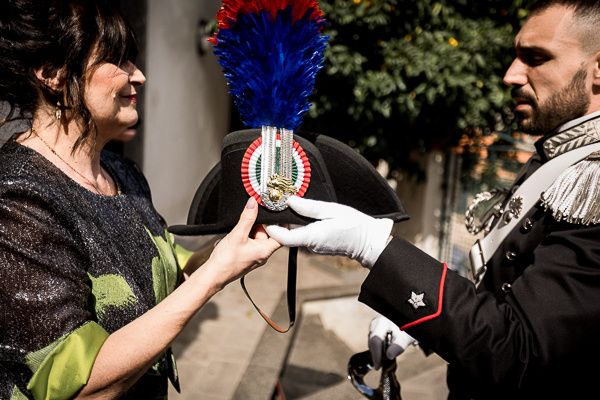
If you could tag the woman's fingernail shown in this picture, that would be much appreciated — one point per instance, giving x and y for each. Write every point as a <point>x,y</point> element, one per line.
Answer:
<point>251,203</point>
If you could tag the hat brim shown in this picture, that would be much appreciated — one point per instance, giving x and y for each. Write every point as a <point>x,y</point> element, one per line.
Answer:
<point>355,181</point>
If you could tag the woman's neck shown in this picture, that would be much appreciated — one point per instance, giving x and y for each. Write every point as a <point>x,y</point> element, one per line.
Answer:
<point>56,142</point>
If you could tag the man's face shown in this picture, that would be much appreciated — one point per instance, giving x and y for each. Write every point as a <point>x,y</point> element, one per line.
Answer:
<point>549,74</point>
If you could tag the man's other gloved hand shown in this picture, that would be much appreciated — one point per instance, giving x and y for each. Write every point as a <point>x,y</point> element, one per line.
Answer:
<point>379,328</point>
<point>340,230</point>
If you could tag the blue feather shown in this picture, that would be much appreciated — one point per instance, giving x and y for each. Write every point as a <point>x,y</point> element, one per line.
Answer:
<point>271,66</point>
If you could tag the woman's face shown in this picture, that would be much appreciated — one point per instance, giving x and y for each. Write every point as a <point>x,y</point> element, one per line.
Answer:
<point>111,97</point>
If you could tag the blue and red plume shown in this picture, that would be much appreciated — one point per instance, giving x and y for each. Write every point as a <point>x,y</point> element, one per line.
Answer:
<point>270,52</point>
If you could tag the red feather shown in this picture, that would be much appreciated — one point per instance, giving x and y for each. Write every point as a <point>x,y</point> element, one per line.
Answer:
<point>230,9</point>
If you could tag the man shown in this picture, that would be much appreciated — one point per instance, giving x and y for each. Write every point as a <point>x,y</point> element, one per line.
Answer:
<point>531,328</point>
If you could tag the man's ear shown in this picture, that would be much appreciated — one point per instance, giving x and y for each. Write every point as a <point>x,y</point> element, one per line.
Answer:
<point>53,80</point>
<point>596,70</point>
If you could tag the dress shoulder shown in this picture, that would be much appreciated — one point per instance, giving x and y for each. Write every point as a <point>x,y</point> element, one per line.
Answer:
<point>22,173</point>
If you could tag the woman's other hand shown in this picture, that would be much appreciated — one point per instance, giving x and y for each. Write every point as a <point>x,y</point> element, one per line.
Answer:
<point>245,248</point>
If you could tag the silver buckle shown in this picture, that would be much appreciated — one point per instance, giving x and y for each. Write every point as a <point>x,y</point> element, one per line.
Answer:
<point>476,259</point>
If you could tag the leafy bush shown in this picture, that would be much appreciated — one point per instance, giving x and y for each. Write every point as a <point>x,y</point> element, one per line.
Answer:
<point>406,75</point>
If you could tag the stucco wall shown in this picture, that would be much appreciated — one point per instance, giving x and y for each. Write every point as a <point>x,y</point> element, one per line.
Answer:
<point>423,202</point>
<point>186,106</point>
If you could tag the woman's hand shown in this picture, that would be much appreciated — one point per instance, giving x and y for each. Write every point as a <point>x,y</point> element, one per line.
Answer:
<point>245,248</point>
<point>131,350</point>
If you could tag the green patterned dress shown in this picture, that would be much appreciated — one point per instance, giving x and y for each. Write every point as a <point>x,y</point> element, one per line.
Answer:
<point>76,266</point>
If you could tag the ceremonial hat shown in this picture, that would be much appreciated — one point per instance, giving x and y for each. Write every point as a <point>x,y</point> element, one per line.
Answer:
<point>270,52</point>
<point>323,169</point>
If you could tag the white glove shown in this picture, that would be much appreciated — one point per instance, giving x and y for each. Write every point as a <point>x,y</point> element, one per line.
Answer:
<point>379,328</point>
<point>341,230</point>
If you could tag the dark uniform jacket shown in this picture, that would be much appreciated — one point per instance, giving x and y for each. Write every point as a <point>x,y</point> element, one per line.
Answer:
<point>532,328</point>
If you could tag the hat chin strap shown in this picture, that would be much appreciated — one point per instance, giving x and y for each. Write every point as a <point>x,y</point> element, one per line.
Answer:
<point>291,293</point>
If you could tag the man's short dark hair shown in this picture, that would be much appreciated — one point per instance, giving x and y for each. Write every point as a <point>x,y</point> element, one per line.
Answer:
<point>586,13</point>
<point>581,6</point>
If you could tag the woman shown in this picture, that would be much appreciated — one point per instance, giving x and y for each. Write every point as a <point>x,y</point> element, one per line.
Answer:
<point>89,302</point>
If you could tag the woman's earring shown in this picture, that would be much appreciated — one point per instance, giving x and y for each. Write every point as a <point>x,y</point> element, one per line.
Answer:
<point>58,111</point>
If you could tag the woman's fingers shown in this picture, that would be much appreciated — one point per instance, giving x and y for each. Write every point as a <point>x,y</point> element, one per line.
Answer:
<point>242,230</point>
<point>272,245</point>
<point>259,233</point>
<point>247,246</point>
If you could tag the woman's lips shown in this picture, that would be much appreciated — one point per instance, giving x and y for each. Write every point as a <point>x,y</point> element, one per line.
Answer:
<point>132,98</point>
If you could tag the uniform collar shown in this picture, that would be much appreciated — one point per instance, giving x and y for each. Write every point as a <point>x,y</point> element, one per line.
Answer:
<point>572,135</point>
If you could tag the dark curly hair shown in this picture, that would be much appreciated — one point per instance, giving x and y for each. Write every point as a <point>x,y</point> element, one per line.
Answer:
<point>58,36</point>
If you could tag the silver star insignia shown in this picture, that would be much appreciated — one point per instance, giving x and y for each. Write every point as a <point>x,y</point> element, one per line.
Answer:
<point>515,207</point>
<point>416,300</point>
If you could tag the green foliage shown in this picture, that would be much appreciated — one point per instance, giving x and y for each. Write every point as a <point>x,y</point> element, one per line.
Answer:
<point>405,75</point>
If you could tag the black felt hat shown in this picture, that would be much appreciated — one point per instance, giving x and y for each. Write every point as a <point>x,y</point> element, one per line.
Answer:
<point>335,173</point>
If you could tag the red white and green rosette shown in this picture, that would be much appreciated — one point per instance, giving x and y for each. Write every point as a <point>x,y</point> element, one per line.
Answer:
<point>251,168</point>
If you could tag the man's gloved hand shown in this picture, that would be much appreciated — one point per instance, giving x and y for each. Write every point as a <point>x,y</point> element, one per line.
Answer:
<point>341,230</point>
<point>379,328</point>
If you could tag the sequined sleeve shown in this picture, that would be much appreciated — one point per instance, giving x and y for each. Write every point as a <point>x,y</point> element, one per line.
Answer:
<point>48,338</point>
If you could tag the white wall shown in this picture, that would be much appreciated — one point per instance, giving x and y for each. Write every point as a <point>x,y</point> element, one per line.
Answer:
<point>423,203</point>
<point>186,105</point>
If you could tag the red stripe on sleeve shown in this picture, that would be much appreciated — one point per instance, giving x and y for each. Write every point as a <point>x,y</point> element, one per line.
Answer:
<point>439,309</point>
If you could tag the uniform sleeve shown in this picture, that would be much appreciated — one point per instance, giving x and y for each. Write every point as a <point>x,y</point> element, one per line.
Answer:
<point>45,320</point>
<point>549,319</point>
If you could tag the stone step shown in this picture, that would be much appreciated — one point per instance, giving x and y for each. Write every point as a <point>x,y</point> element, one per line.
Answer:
<point>317,363</point>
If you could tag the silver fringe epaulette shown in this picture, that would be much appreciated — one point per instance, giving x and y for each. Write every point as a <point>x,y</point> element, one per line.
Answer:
<point>574,196</point>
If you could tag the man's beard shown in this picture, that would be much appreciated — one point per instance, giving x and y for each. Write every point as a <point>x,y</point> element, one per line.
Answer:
<point>569,103</point>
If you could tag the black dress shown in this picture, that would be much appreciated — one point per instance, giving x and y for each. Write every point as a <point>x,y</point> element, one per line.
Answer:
<point>75,266</point>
